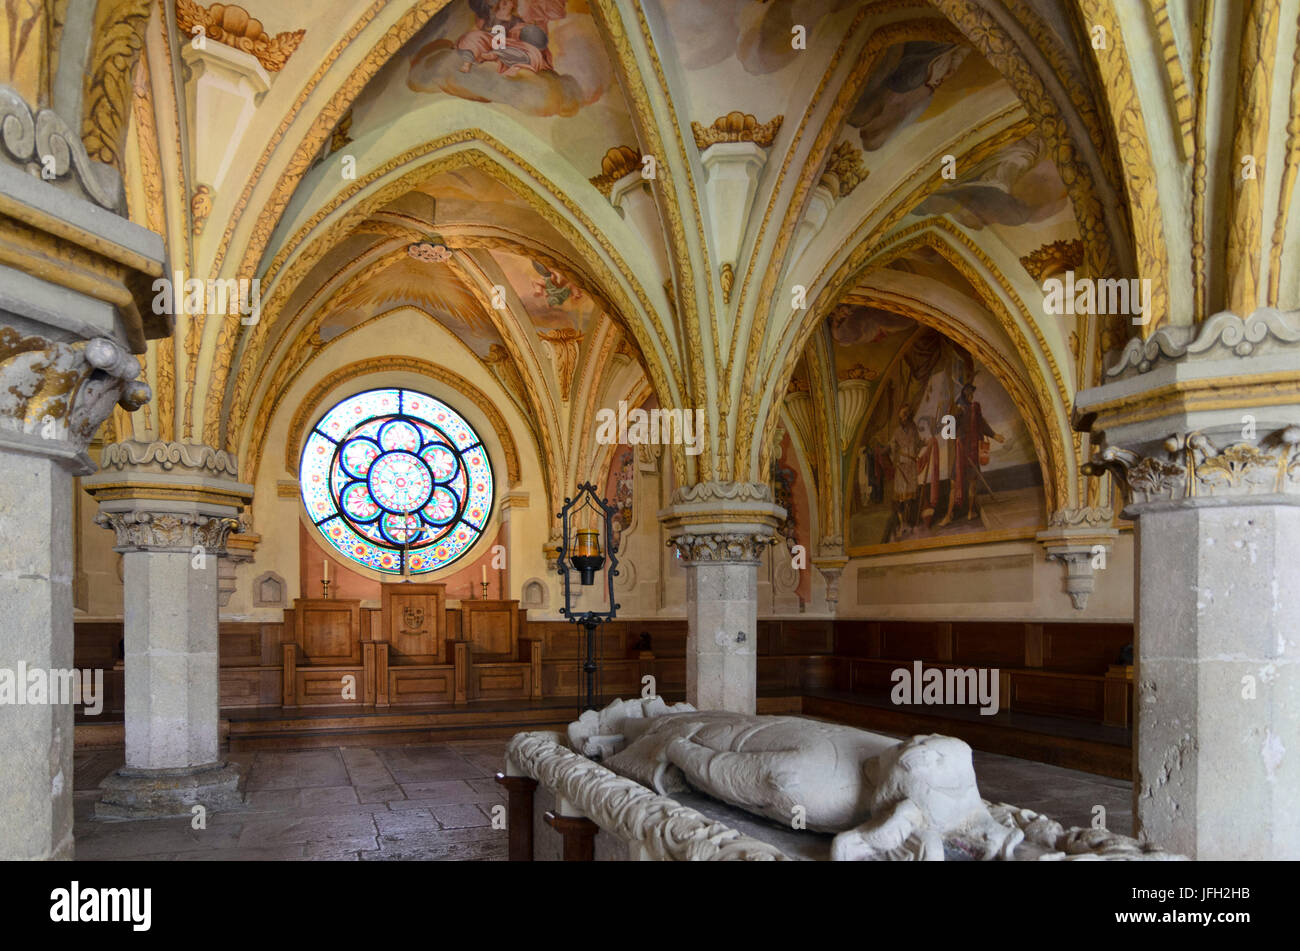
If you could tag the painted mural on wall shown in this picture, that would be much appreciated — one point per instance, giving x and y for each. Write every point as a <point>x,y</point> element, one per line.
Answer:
<point>618,490</point>
<point>943,452</point>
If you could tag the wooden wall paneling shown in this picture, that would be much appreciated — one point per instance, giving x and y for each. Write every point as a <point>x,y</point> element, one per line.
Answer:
<point>463,686</point>
<point>329,630</point>
<point>381,675</point>
<point>324,686</point>
<point>369,673</point>
<point>492,629</point>
<point>289,674</point>
<point>1083,648</point>
<point>412,684</point>
<point>943,641</point>
<point>988,644</point>
<point>1033,645</point>
<point>1117,705</point>
<point>910,640</point>
<point>1058,695</point>
<point>534,646</point>
<point>806,637</point>
<point>249,687</point>
<point>500,681</point>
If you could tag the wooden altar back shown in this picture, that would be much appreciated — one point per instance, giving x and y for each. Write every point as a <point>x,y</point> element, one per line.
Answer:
<point>414,622</point>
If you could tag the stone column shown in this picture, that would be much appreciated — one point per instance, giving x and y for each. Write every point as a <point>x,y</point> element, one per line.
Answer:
<point>74,299</point>
<point>720,531</point>
<point>1215,491</point>
<point>172,506</point>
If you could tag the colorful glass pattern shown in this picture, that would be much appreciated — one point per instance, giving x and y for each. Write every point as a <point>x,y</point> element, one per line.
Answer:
<point>396,478</point>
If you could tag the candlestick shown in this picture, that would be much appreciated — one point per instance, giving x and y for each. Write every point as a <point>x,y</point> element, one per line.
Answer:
<point>485,587</point>
<point>325,586</point>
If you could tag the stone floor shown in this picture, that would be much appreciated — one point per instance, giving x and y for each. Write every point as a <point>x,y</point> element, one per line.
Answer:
<point>434,802</point>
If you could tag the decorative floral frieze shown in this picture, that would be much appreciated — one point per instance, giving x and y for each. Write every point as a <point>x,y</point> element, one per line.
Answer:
<point>168,531</point>
<point>1194,467</point>
<point>704,492</point>
<point>1084,517</point>
<point>662,828</point>
<point>1223,335</point>
<point>167,456</point>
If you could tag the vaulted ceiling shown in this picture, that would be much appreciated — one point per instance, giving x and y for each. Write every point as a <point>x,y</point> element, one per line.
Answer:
<point>693,186</point>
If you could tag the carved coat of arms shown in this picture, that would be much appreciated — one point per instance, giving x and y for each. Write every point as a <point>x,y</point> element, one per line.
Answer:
<point>412,620</point>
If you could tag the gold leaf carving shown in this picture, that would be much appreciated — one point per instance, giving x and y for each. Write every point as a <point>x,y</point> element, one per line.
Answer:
<point>618,162</point>
<point>1055,258</point>
<point>736,127</point>
<point>232,25</point>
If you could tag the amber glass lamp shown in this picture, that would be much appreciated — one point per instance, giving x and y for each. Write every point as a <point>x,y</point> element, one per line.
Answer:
<point>586,535</point>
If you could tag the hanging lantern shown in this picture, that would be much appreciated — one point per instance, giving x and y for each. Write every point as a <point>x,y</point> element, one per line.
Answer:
<point>586,534</point>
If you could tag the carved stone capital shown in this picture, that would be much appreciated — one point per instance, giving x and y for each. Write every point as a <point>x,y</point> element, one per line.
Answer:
<point>54,395</point>
<point>1190,466</point>
<point>733,547</point>
<point>168,531</point>
<point>722,521</point>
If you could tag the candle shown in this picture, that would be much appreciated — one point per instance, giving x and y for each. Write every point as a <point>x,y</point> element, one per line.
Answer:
<point>484,567</point>
<point>325,568</point>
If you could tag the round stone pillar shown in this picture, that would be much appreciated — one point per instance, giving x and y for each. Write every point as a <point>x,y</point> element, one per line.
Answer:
<point>172,506</point>
<point>1205,447</point>
<point>720,531</point>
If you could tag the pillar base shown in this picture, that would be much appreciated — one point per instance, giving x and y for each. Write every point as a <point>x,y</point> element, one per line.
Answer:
<point>151,793</point>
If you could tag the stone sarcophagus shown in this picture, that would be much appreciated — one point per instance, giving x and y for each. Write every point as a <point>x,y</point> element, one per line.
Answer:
<point>825,791</point>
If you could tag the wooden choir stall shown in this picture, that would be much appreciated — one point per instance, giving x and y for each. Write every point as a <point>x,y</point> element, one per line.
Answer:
<point>412,651</point>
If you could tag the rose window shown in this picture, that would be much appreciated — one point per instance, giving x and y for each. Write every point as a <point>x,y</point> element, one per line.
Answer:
<point>396,478</point>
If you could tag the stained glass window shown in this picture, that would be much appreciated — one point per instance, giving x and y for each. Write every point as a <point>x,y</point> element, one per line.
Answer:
<point>393,477</point>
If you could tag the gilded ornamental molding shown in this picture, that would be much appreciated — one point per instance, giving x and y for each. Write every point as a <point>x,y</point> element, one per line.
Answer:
<point>618,163</point>
<point>232,25</point>
<point>722,492</point>
<point>1055,258</point>
<point>736,126</point>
